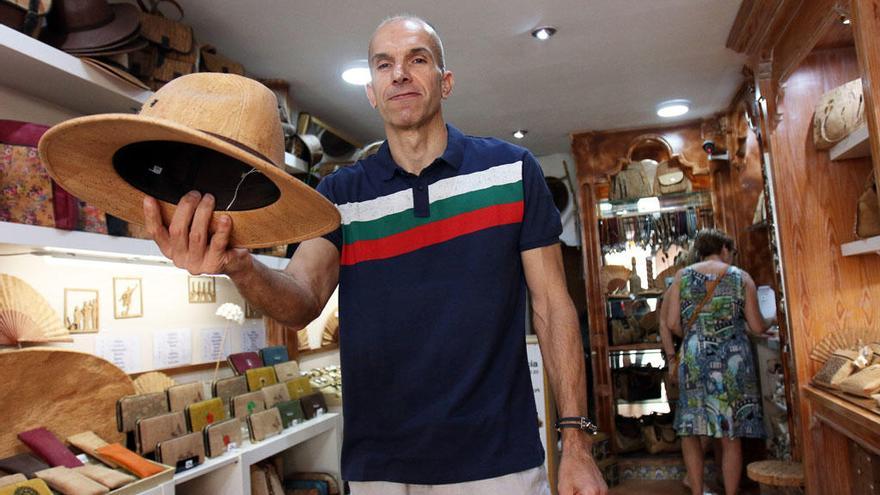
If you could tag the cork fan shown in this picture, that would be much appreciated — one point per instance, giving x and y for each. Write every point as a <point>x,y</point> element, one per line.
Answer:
<point>844,339</point>
<point>154,381</point>
<point>25,316</point>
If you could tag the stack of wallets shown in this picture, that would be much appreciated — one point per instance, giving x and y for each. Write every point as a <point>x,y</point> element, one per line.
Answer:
<point>131,408</point>
<point>183,453</point>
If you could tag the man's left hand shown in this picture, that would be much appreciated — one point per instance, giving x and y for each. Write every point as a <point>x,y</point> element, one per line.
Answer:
<point>578,473</point>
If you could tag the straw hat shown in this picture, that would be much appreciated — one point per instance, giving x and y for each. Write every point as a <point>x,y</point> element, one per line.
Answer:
<point>211,132</point>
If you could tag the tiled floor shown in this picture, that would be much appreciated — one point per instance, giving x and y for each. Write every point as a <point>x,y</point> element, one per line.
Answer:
<point>649,487</point>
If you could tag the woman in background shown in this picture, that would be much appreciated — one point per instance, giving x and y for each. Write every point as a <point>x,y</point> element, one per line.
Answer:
<point>719,396</point>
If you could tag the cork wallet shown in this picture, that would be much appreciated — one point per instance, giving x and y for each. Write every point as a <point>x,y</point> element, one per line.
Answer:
<point>131,408</point>
<point>201,414</point>
<point>151,431</point>
<point>219,436</point>
<point>180,396</point>
<point>182,453</point>
<point>246,404</point>
<point>258,378</point>
<point>264,424</point>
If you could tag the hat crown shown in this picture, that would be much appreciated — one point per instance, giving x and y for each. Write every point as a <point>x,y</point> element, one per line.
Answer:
<point>80,15</point>
<point>231,107</point>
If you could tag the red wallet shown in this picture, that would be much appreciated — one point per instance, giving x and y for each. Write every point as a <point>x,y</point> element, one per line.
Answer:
<point>47,446</point>
<point>244,361</point>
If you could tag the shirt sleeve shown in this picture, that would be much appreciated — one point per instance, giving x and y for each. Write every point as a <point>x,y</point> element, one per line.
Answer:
<point>324,187</point>
<point>541,225</point>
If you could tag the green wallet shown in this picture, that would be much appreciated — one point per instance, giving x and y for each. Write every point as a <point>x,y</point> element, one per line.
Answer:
<point>291,412</point>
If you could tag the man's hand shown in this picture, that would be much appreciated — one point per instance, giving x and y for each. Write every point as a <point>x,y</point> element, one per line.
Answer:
<point>187,241</point>
<point>578,473</point>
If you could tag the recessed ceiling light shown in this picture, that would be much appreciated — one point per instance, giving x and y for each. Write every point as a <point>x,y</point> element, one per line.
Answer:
<point>544,33</point>
<point>357,76</point>
<point>673,108</point>
<point>520,133</point>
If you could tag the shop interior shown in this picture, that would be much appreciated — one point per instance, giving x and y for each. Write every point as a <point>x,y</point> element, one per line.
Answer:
<point>754,117</point>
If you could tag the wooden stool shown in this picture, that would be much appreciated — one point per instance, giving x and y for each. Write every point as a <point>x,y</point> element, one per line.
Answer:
<point>777,477</point>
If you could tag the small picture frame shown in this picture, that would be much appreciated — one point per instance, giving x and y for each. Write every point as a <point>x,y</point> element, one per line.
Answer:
<point>251,312</point>
<point>202,289</point>
<point>81,310</point>
<point>128,298</point>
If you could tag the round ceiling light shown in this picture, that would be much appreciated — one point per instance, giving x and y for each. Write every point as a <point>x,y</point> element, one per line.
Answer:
<point>673,108</point>
<point>544,33</point>
<point>520,133</point>
<point>357,76</point>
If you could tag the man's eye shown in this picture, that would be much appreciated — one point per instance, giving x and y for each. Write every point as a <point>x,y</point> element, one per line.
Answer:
<point>420,60</point>
<point>383,65</point>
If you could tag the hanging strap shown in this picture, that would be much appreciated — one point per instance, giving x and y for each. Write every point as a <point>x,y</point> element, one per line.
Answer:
<point>710,291</point>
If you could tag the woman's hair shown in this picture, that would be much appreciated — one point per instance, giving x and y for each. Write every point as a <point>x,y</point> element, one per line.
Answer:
<point>711,241</point>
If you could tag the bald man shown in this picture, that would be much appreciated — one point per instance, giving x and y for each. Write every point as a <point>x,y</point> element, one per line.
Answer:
<point>442,234</point>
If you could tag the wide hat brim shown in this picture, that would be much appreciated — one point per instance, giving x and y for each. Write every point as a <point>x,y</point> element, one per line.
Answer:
<point>125,23</point>
<point>78,154</point>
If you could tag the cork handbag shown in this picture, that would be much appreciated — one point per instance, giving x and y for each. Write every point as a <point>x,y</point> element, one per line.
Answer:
<point>635,180</point>
<point>868,212</point>
<point>671,180</point>
<point>838,113</point>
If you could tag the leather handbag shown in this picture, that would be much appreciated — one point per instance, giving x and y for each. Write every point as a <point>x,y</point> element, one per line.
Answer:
<point>868,212</point>
<point>247,404</point>
<point>152,431</point>
<point>313,405</point>
<point>110,478</point>
<point>201,414</point>
<point>25,16</point>
<point>659,434</point>
<point>264,424</point>
<point>273,394</point>
<point>635,180</point>
<point>131,408</point>
<point>274,355</point>
<point>291,412</point>
<point>69,482</point>
<point>211,61</point>
<point>258,378</point>
<point>287,371</point>
<point>670,180</point>
<point>227,388</point>
<point>180,396</point>
<point>182,453</point>
<point>26,464</point>
<point>243,361</point>
<point>299,387</point>
<point>27,487</point>
<point>221,435</point>
<point>838,113</point>
<point>130,461</point>
<point>47,446</point>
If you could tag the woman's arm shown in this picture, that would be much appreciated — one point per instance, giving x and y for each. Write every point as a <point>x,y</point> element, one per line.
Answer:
<point>757,324</point>
<point>673,301</point>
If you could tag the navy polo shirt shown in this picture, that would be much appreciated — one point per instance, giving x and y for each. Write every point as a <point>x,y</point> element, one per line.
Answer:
<point>432,305</point>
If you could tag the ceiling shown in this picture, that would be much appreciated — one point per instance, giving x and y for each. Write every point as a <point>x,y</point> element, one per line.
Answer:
<point>609,65</point>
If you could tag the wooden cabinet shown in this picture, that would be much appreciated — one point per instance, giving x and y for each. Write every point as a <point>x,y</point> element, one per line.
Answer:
<point>797,51</point>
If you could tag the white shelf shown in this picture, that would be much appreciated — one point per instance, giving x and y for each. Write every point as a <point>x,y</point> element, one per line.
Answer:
<point>866,246</point>
<point>208,466</point>
<point>856,145</point>
<point>40,70</point>
<point>16,237</point>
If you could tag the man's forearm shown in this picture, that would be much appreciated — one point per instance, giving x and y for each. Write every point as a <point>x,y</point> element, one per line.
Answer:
<point>276,293</point>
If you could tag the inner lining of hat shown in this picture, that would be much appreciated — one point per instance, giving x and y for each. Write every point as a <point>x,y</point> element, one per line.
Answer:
<point>167,170</point>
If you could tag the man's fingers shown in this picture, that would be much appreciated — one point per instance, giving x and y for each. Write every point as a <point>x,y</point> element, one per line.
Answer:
<point>180,223</point>
<point>154,225</point>
<point>219,242</point>
<point>198,232</point>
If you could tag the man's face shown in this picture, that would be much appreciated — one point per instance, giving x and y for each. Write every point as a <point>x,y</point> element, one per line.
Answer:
<point>407,84</point>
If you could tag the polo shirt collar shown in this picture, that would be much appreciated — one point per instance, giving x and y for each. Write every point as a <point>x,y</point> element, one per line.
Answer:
<point>453,154</point>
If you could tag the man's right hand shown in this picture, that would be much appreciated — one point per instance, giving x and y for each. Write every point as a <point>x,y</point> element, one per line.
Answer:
<point>187,240</point>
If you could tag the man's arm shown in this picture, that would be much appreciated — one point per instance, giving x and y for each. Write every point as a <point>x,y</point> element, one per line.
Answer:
<point>556,323</point>
<point>294,296</point>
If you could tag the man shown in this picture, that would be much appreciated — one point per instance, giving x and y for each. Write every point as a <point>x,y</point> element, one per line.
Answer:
<point>440,234</point>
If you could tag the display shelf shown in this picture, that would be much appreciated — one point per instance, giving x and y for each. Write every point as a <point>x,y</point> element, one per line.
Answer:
<point>208,466</point>
<point>40,70</point>
<point>645,346</point>
<point>668,203</point>
<point>856,145</point>
<point>870,245</point>
<point>33,239</point>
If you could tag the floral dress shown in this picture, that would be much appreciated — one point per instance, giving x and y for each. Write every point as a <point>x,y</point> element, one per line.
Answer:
<point>719,392</point>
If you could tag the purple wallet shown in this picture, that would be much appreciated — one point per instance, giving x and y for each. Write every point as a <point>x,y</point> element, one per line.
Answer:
<point>47,446</point>
<point>243,361</point>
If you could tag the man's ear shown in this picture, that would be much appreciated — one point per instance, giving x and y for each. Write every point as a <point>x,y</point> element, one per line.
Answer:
<point>370,95</point>
<point>447,82</point>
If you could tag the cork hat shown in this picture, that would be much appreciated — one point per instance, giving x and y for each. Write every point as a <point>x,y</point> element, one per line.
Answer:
<point>210,132</point>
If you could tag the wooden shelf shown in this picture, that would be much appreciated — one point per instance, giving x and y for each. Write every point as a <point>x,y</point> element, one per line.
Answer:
<point>646,346</point>
<point>21,238</point>
<point>856,145</point>
<point>40,70</point>
<point>853,421</point>
<point>870,245</point>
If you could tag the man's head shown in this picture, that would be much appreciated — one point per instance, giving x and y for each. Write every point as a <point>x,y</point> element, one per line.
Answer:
<point>407,64</point>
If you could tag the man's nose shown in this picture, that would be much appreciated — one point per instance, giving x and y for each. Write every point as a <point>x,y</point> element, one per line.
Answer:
<point>401,74</point>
